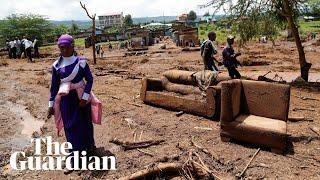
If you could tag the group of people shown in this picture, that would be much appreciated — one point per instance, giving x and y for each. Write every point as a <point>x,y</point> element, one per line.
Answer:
<point>209,50</point>
<point>16,48</point>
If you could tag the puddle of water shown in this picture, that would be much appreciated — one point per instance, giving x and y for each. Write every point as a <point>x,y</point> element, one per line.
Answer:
<point>22,136</point>
<point>29,123</point>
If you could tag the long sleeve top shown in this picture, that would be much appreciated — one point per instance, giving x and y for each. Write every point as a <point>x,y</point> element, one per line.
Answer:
<point>65,67</point>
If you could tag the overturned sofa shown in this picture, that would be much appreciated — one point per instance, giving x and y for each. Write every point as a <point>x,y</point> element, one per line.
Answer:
<point>255,112</point>
<point>191,92</point>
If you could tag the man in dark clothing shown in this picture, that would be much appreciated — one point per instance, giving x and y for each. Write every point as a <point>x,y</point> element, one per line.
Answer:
<point>230,59</point>
<point>8,48</point>
<point>208,50</point>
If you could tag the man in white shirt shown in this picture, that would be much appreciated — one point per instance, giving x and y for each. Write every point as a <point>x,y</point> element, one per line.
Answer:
<point>13,49</point>
<point>28,48</point>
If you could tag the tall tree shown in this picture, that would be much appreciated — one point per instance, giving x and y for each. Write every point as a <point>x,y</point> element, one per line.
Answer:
<point>311,8</point>
<point>18,25</point>
<point>93,35</point>
<point>127,21</point>
<point>74,29</point>
<point>286,8</point>
<point>192,16</point>
<point>206,14</point>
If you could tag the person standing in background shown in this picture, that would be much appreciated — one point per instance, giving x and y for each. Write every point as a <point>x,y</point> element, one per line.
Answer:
<point>13,49</point>
<point>28,48</point>
<point>36,48</point>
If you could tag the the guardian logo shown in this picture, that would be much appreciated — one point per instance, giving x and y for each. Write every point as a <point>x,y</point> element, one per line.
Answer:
<point>56,156</point>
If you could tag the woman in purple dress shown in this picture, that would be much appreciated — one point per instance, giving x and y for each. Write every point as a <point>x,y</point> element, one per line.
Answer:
<point>75,110</point>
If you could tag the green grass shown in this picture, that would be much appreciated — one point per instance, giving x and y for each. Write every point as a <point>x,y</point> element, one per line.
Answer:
<point>312,26</point>
<point>79,42</point>
<point>205,28</point>
<point>306,27</point>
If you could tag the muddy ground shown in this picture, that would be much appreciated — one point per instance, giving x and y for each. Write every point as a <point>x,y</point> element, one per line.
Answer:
<point>24,91</point>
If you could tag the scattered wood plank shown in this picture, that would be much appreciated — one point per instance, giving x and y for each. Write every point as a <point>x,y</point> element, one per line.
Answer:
<point>206,151</point>
<point>315,130</point>
<point>204,128</point>
<point>135,145</point>
<point>140,135</point>
<point>145,152</point>
<point>180,113</point>
<point>160,168</point>
<point>131,122</point>
<point>244,170</point>
<point>204,167</point>
<point>297,119</point>
<point>115,97</point>
<point>134,104</point>
<point>307,98</point>
<point>131,76</point>
<point>303,109</point>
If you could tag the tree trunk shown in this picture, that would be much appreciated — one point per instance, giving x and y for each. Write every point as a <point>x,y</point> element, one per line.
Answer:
<point>94,40</point>
<point>304,65</point>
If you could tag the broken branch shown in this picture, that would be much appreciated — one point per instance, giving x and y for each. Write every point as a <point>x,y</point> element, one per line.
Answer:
<point>135,145</point>
<point>315,130</point>
<point>296,119</point>
<point>204,128</point>
<point>206,151</point>
<point>307,98</point>
<point>160,168</point>
<point>145,152</point>
<point>134,104</point>
<point>303,109</point>
<point>244,170</point>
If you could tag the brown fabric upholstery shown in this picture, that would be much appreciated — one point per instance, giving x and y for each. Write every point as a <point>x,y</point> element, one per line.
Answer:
<point>266,99</point>
<point>230,100</point>
<point>263,123</point>
<point>153,91</point>
<point>255,112</point>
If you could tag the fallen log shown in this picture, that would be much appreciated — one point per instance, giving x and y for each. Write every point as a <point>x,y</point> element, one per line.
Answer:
<point>162,168</point>
<point>297,119</point>
<point>303,109</point>
<point>134,145</point>
<point>307,98</point>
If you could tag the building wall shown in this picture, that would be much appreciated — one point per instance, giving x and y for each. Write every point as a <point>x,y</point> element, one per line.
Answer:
<point>111,20</point>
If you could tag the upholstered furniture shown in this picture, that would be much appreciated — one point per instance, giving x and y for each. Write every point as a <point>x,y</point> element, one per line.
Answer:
<point>178,90</point>
<point>255,112</point>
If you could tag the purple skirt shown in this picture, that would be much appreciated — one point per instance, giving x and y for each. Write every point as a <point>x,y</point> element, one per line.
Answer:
<point>77,122</point>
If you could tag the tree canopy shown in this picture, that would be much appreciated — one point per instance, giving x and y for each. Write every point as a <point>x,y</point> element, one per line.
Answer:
<point>127,21</point>
<point>192,16</point>
<point>74,29</point>
<point>30,25</point>
<point>206,14</point>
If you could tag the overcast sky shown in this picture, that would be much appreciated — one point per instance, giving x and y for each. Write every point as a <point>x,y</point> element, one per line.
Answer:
<point>71,10</point>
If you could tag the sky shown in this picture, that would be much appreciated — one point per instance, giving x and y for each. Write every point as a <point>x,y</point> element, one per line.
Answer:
<point>71,9</point>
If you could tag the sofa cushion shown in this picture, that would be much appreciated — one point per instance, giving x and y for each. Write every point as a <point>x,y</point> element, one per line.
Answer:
<point>263,123</point>
<point>266,99</point>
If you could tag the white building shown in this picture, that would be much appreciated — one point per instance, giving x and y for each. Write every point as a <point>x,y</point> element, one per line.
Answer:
<point>113,19</point>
